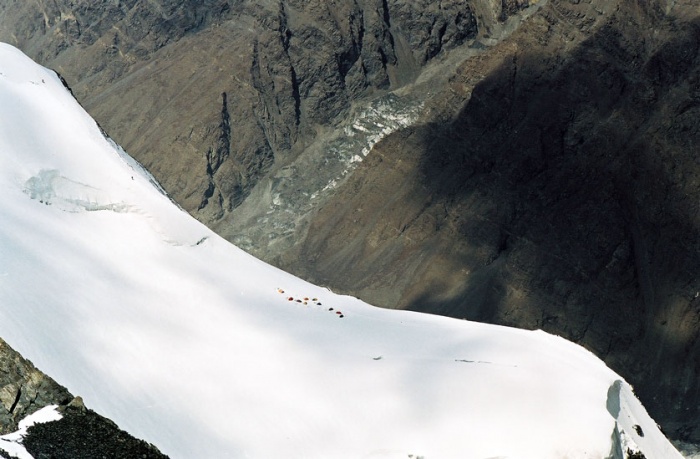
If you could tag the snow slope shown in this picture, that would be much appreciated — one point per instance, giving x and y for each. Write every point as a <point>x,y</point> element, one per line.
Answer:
<point>188,342</point>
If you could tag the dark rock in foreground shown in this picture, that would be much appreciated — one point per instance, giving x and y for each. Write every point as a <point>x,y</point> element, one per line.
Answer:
<point>81,433</point>
<point>84,434</point>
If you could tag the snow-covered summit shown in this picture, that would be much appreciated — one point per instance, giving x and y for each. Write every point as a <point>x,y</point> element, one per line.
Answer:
<point>191,344</point>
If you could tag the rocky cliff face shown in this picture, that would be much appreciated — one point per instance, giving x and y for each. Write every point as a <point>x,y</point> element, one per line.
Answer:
<point>81,433</point>
<point>24,389</point>
<point>526,163</point>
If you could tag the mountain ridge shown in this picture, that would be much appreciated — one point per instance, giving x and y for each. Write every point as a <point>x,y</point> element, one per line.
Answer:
<point>206,351</point>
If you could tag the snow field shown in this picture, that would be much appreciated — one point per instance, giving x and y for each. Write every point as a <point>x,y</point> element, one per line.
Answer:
<point>186,341</point>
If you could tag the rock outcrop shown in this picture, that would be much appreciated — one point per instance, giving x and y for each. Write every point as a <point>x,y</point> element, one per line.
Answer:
<point>80,433</point>
<point>24,389</point>
<point>538,166</point>
<point>83,434</point>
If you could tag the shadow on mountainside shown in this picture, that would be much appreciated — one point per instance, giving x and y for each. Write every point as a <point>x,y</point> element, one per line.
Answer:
<point>580,175</point>
<point>563,196</point>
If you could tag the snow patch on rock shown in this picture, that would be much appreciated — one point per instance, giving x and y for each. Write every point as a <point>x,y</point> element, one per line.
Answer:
<point>12,442</point>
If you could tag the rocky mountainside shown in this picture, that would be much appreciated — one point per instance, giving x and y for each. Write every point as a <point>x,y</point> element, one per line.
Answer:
<point>225,100</point>
<point>258,81</point>
<point>80,433</point>
<point>526,163</point>
<point>561,193</point>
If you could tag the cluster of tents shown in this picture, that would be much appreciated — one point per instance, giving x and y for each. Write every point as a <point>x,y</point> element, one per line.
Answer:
<point>306,301</point>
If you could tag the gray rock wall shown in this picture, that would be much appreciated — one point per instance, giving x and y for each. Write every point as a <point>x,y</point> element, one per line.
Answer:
<point>24,389</point>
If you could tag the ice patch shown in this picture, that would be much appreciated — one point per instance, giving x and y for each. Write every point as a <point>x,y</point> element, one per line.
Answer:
<point>325,166</point>
<point>51,188</point>
<point>368,127</point>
